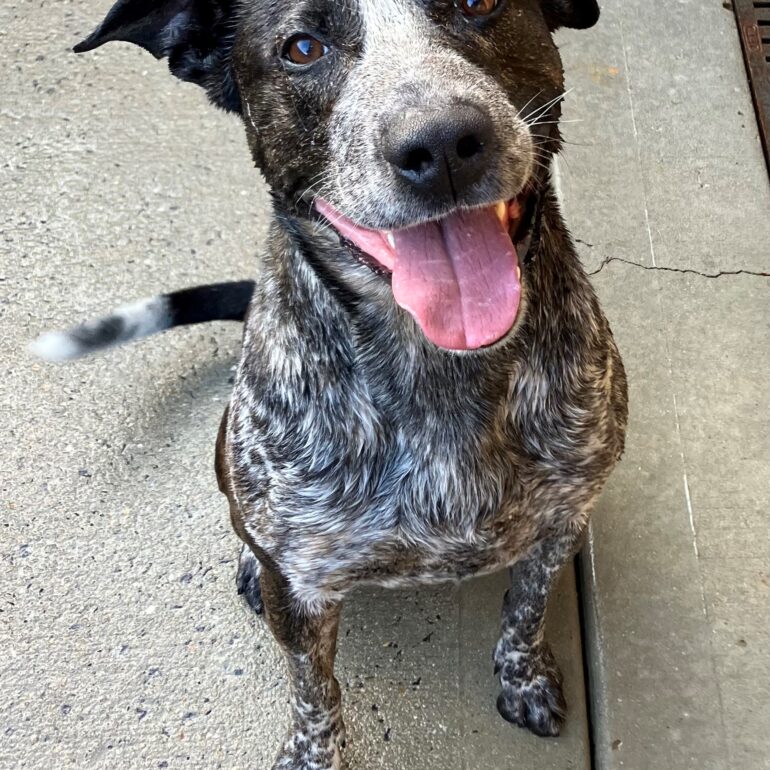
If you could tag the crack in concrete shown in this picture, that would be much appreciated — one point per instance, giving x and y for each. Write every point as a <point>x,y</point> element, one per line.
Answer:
<point>607,260</point>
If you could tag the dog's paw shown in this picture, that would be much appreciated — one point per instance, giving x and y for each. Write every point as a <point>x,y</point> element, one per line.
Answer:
<point>532,695</point>
<point>300,752</point>
<point>247,579</point>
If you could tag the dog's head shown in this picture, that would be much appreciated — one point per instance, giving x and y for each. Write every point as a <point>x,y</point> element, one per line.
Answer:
<point>420,129</point>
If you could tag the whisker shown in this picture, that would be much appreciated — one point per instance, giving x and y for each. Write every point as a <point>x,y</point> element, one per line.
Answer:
<point>518,114</point>
<point>321,179</point>
<point>550,122</point>
<point>540,111</point>
<point>546,138</point>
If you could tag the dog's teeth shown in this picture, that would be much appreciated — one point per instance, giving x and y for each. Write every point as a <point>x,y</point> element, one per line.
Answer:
<point>501,209</point>
<point>518,273</point>
<point>391,240</point>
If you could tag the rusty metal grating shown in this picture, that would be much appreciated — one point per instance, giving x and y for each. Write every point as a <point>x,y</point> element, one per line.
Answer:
<point>754,25</point>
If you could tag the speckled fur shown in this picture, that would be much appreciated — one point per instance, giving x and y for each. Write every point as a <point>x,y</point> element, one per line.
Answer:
<point>353,450</point>
<point>343,465</point>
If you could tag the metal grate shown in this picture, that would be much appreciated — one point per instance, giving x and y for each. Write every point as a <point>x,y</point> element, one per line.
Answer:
<point>754,25</point>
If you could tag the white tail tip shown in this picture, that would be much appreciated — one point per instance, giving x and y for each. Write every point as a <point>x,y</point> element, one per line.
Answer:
<point>55,346</point>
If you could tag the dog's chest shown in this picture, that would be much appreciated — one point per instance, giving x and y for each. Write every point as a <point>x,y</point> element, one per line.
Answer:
<point>341,491</point>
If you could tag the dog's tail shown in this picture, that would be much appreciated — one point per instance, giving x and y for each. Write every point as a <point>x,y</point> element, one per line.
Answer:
<point>213,302</point>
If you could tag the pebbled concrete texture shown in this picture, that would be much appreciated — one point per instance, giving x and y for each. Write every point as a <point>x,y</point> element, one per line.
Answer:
<point>123,642</point>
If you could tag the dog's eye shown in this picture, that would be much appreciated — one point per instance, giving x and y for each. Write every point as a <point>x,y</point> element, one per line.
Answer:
<point>304,49</point>
<point>478,7</point>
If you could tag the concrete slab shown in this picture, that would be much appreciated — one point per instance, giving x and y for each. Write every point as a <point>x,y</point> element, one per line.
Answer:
<point>667,133</point>
<point>124,644</point>
<point>676,572</point>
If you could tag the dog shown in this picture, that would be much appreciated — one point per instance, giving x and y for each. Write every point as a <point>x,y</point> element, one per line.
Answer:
<point>428,388</point>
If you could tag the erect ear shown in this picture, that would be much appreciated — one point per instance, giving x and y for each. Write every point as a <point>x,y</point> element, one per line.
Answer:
<point>195,35</point>
<point>579,14</point>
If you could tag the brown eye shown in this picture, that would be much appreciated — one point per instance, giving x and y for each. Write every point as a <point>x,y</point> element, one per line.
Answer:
<point>304,49</point>
<point>478,7</point>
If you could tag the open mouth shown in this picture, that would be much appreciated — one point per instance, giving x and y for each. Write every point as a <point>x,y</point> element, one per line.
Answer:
<point>459,276</point>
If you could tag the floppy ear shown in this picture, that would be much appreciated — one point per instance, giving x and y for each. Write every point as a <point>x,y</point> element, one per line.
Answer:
<point>195,35</point>
<point>579,14</point>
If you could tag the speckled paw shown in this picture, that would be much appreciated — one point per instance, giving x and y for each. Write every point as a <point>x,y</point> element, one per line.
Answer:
<point>247,579</point>
<point>299,752</point>
<point>532,695</point>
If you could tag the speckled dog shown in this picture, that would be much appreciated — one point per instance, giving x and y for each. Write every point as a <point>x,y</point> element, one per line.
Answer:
<point>428,388</point>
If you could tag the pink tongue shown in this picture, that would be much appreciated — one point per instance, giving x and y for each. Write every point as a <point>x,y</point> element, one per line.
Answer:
<point>458,278</point>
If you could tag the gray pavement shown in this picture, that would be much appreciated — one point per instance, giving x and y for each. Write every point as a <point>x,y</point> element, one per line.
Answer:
<point>123,642</point>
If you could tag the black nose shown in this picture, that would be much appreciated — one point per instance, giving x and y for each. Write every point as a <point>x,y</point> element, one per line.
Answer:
<point>440,153</point>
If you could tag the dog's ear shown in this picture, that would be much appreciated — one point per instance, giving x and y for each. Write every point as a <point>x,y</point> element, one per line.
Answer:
<point>195,35</point>
<point>578,14</point>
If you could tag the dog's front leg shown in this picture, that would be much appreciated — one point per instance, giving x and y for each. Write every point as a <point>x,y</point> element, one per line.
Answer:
<point>309,643</point>
<point>531,682</point>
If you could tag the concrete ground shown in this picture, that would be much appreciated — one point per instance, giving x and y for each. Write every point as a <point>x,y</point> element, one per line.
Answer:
<point>123,642</point>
